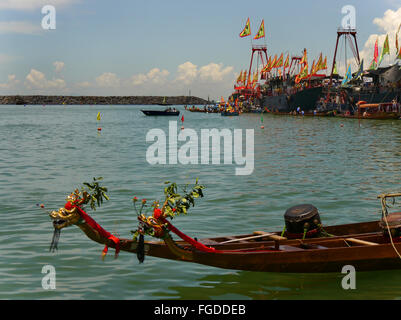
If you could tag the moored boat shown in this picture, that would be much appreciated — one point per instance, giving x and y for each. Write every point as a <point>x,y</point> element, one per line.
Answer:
<point>166,112</point>
<point>305,246</point>
<point>230,113</point>
<point>373,111</point>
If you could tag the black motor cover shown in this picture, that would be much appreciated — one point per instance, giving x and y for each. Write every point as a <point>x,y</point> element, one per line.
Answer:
<point>302,217</point>
<point>393,224</point>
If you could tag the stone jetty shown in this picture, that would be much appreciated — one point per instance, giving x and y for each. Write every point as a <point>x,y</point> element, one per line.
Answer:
<point>100,100</point>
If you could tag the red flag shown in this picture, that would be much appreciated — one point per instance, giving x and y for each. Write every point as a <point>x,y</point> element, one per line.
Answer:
<point>182,119</point>
<point>376,54</point>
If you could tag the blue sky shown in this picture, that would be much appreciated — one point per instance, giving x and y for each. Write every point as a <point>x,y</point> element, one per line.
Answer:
<point>160,47</point>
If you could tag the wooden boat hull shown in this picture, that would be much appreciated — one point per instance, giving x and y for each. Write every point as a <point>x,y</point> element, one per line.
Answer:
<point>315,255</point>
<point>380,116</point>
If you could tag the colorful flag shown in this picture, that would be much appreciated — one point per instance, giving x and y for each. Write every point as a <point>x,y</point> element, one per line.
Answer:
<point>255,77</point>
<point>280,62</point>
<point>247,30</point>
<point>261,32</point>
<point>239,79</point>
<point>360,71</point>
<point>396,44</point>
<point>319,63</point>
<point>372,65</point>
<point>324,66</point>
<point>303,74</point>
<point>376,53</point>
<point>348,76</point>
<point>304,58</point>
<point>287,61</point>
<point>335,68</point>
<point>244,77</point>
<point>386,50</point>
<point>312,70</point>
<point>273,64</point>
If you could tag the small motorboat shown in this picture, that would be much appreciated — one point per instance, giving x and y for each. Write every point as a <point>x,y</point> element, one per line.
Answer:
<point>166,112</point>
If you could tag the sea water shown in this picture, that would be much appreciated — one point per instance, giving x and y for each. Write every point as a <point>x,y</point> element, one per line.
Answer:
<point>338,165</point>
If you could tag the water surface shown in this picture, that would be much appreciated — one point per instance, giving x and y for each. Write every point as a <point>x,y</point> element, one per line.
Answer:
<point>46,152</point>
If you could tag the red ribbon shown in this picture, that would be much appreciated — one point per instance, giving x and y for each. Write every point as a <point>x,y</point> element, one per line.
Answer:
<point>94,225</point>
<point>193,242</point>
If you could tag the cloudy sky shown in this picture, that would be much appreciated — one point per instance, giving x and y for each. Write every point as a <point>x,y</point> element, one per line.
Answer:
<point>159,47</point>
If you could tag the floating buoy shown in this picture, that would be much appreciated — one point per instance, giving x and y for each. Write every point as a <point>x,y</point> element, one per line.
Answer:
<point>182,128</point>
<point>99,129</point>
<point>342,126</point>
<point>262,127</point>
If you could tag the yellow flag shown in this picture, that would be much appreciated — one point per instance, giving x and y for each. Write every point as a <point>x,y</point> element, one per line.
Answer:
<point>239,77</point>
<point>98,116</point>
<point>247,30</point>
<point>287,61</point>
<point>304,58</point>
<point>273,64</point>
<point>261,32</point>
<point>319,64</point>
<point>279,63</point>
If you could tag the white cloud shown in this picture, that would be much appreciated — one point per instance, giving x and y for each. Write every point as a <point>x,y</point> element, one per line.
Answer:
<point>20,27</point>
<point>388,24</point>
<point>187,72</point>
<point>108,79</point>
<point>59,66</point>
<point>33,4</point>
<point>155,76</point>
<point>11,83</point>
<point>37,80</point>
<point>213,79</point>
<point>214,72</point>
<point>84,84</point>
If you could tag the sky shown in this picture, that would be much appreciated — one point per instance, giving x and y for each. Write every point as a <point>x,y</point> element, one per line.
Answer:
<point>176,47</point>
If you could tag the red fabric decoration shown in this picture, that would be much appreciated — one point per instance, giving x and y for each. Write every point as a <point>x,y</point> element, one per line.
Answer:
<point>103,233</point>
<point>157,213</point>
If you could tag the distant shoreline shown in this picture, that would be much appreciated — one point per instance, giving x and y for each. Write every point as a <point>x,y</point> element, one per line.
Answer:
<point>100,100</point>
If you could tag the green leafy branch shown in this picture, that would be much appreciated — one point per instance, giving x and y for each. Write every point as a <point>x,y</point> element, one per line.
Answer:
<point>93,193</point>
<point>175,203</point>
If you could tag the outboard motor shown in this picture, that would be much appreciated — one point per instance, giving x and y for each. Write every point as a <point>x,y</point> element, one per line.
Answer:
<point>302,222</point>
<point>394,224</point>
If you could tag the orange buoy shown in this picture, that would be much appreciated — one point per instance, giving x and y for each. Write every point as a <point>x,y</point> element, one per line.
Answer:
<point>99,129</point>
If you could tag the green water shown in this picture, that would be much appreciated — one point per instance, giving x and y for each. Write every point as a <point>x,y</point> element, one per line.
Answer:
<point>45,152</point>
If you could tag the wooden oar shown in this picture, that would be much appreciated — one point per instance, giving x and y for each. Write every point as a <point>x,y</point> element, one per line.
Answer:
<point>258,235</point>
<point>365,243</point>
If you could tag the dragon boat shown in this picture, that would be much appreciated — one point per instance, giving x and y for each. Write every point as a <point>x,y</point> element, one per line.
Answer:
<point>304,246</point>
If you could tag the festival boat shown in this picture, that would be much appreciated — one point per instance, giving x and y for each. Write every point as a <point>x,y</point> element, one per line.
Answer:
<point>230,113</point>
<point>166,112</point>
<point>373,111</point>
<point>304,246</point>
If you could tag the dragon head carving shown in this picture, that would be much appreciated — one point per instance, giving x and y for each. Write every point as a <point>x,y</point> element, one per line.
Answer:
<point>68,215</point>
<point>64,218</point>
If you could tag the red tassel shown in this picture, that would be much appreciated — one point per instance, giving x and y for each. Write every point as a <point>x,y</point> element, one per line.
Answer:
<point>104,252</point>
